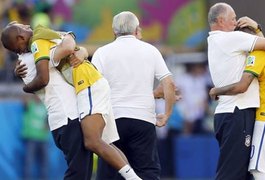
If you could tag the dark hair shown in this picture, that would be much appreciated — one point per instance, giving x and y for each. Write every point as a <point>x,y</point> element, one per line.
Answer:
<point>246,29</point>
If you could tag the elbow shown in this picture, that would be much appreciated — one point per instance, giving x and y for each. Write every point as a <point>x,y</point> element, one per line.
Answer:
<point>44,82</point>
<point>242,90</point>
<point>69,50</point>
<point>69,45</point>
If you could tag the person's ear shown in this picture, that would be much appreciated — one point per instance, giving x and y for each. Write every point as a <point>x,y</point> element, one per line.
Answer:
<point>138,32</point>
<point>221,20</point>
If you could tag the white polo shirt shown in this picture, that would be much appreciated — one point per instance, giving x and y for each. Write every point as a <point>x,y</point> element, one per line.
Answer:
<point>130,66</point>
<point>58,96</point>
<point>226,57</point>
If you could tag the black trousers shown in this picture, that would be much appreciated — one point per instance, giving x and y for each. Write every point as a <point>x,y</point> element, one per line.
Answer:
<point>69,139</point>
<point>138,142</point>
<point>233,132</point>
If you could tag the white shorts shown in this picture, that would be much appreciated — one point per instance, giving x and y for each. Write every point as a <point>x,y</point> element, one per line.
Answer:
<point>257,156</point>
<point>96,99</point>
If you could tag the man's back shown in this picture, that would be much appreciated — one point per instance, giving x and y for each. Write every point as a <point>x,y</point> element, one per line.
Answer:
<point>130,66</point>
<point>226,57</point>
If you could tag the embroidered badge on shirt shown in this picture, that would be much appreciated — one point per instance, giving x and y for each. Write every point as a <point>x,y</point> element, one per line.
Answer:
<point>247,140</point>
<point>250,60</point>
<point>34,48</point>
<point>80,82</point>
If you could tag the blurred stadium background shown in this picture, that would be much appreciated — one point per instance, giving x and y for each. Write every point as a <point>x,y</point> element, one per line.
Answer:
<point>178,28</point>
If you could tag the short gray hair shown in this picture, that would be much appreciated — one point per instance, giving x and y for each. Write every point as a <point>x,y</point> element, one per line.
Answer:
<point>125,23</point>
<point>216,11</point>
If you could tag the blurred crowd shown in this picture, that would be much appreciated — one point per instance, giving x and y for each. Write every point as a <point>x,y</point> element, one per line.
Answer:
<point>192,115</point>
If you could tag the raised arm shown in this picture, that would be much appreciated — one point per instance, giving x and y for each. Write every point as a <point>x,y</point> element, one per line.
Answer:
<point>79,56</point>
<point>65,48</point>
<point>248,22</point>
<point>232,89</point>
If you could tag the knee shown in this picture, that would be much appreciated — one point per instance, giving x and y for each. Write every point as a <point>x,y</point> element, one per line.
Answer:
<point>92,145</point>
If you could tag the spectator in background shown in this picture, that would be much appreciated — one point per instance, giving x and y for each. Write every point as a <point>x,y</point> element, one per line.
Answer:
<point>42,15</point>
<point>130,66</point>
<point>20,12</point>
<point>35,133</point>
<point>166,139</point>
<point>194,103</point>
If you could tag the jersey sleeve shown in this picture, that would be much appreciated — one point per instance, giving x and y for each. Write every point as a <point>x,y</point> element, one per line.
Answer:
<point>40,50</point>
<point>255,63</point>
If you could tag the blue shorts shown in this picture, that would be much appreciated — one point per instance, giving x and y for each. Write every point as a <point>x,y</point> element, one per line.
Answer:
<point>138,141</point>
<point>69,139</point>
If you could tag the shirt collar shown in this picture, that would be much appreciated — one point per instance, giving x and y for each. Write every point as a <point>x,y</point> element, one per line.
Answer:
<point>126,36</point>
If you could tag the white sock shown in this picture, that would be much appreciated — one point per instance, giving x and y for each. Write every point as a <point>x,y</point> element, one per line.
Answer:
<point>128,173</point>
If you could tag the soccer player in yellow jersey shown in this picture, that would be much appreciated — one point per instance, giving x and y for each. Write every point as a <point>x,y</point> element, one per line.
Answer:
<point>93,93</point>
<point>255,68</point>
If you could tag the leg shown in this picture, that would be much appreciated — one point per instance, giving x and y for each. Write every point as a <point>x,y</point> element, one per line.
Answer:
<point>44,164</point>
<point>138,142</point>
<point>141,148</point>
<point>120,152</point>
<point>69,139</point>
<point>92,127</point>
<point>99,128</point>
<point>106,171</point>
<point>29,159</point>
<point>257,160</point>
<point>233,132</point>
<point>188,127</point>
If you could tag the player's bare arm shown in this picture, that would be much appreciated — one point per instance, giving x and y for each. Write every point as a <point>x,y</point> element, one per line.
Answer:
<point>78,57</point>
<point>41,79</point>
<point>65,48</point>
<point>232,89</point>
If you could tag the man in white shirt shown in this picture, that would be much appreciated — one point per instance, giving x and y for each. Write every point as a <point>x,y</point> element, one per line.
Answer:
<point>234,115</point>
<point>130,66</point>
<point>63,117</point>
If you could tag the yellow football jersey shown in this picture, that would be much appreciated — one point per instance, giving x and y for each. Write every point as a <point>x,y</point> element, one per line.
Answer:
<point>255,64</point>
<point>42,41</point>
<point>85,75</point>
<point>41,49</point>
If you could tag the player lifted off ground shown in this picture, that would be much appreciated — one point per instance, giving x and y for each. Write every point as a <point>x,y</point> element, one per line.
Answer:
<point>92,90</point>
